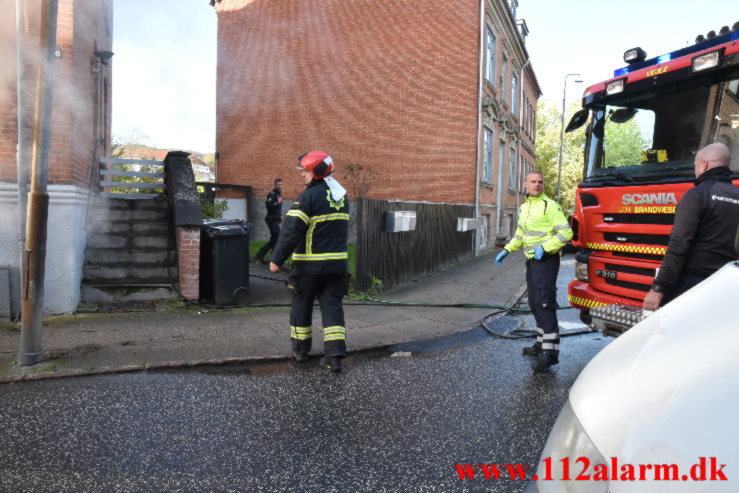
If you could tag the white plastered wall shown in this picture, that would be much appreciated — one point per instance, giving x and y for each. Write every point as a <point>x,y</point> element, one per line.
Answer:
<point>65,246</point>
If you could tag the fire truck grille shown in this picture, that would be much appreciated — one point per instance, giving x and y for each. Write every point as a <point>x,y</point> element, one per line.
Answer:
<point>639,218</point>
<point>631,270</point>
<point>640,239</point>
<point>629,285</point>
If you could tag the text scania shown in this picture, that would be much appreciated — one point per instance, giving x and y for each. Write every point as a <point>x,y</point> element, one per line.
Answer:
<point>648,198</point>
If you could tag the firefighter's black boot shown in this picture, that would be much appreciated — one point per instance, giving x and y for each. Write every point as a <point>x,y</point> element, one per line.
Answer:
<point>545,360</point>
<point>300,357</point>
<point>533,350</point>
<point>333,363</point>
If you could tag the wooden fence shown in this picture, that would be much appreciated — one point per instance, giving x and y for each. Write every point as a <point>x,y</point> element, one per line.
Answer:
<point>131,178</point>
<point>395,258</point>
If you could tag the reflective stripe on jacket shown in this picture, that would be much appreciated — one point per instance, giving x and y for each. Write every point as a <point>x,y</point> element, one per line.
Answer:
<point>540,222</point>
<point>315,231</point>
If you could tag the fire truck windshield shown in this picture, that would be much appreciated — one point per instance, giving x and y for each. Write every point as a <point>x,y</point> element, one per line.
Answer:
<point>655,135</point>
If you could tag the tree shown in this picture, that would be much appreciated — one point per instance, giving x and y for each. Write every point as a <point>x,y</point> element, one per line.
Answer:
<point>359,179</point>
<point>623,143</point>
<point>548,127</point>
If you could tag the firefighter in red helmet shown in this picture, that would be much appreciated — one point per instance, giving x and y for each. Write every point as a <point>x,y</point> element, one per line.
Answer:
<point>315,232</point>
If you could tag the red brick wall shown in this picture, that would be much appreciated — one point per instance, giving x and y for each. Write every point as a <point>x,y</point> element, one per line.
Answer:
<point>80,24</point>
<point>188,256</point>
<point>8,134</point>
<point>389,84</point>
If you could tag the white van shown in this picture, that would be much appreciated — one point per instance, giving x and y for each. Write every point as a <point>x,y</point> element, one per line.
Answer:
<point>657,410</point>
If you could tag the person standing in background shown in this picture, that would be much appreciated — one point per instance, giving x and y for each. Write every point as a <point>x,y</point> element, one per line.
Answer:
<point>273,220</point>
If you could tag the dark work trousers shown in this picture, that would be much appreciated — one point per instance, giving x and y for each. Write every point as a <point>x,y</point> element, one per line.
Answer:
<point>329,289</point>
<point>684,283</point>
<point>274,234</point>
<point>541,282</point>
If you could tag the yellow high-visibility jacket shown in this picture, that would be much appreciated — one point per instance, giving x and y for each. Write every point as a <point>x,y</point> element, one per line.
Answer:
<point>540,222</point>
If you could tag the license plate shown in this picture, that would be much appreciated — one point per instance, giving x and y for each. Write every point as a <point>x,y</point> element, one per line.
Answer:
<point>608,274</point>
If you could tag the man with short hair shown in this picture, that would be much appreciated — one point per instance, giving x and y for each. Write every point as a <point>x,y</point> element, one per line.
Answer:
<point>542,231</point>
<point>705,228</point>
<point>273,219</point>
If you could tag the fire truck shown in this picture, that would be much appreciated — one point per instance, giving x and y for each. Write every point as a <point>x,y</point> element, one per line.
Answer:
<point>644,128</point>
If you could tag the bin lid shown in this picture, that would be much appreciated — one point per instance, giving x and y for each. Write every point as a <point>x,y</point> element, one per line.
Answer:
<point>226,227</point>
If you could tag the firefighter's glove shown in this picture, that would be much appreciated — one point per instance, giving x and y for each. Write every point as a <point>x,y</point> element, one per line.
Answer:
<point>499,259</point>
<point>539,252</point>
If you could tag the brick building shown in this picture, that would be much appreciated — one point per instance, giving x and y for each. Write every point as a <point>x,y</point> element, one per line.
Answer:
<point>80,134</point>
<point>436,97</point>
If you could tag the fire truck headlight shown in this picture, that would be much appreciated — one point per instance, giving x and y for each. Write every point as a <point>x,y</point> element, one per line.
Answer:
<point>706,61</point>
<point>581,271</point>
<point>615,86</point>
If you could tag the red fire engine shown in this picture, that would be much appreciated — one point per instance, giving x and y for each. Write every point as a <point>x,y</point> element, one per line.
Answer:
<point>645,126</point>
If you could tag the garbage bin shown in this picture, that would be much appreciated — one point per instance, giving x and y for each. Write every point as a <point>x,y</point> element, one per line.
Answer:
<point>224,261</point>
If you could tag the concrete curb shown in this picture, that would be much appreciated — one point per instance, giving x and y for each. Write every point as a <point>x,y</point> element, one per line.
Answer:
<point>181,364</point>
<point>165,365</point>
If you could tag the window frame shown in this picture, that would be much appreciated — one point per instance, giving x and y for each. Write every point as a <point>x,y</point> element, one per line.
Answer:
<point>512,171</point>
<point>490,60</point>
<point>487,149</point>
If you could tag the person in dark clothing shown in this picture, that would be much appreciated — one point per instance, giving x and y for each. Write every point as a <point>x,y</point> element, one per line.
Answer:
<point>706,222</point>
<point>316,234</point>
<point>273,219</point>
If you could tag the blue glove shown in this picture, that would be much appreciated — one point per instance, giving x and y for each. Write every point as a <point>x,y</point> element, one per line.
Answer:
<point>499,259</point>
<point>539,252</point>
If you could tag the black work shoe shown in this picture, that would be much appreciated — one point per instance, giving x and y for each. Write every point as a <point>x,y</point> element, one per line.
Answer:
<point>333,363</point>
<point>533,350</point>
<point>544,361</point>
<point>301,357</point>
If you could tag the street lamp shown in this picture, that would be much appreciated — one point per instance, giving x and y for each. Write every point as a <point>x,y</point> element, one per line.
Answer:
<point>562,130</point>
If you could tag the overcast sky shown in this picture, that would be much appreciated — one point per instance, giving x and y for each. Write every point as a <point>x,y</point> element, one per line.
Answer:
<point>165,55</point>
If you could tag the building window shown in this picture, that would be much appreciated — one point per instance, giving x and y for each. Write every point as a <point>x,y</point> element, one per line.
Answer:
<point>503,75</point>
<point>514,88</point>
<point>501,162</point>
<point>512,171</point>
<point>487,167</point>
<point>491,57</point>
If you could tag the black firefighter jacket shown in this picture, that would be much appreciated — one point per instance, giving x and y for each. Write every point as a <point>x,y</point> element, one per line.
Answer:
<point>316,232</point>
<point>706,221</point>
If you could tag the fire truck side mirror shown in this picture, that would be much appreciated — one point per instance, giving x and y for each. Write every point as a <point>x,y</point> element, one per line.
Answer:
<point>578,120</point>
<point>622,115</point>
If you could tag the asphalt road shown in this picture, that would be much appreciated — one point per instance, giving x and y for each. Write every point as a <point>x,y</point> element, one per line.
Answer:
<point>385,424</point>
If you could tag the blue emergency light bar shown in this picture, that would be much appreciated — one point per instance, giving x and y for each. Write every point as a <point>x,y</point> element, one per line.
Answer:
<point>718,40</point>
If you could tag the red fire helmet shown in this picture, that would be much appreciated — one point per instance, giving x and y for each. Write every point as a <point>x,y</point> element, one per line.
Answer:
<point>319,163</point>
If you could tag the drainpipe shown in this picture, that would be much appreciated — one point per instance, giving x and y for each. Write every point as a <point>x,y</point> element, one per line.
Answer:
<point>31,350</point>
<point>478,154</point>
<point>22,144</point>
<point>520,121</point>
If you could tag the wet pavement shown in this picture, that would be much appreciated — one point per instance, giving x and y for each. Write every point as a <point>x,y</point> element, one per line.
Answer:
<point>385,424</point>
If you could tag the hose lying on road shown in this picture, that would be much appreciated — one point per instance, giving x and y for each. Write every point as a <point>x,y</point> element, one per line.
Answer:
<point>516,306</point>
<point>522,333</point>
